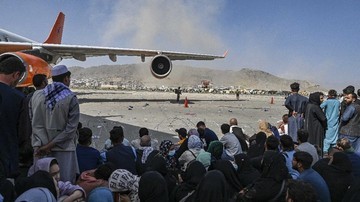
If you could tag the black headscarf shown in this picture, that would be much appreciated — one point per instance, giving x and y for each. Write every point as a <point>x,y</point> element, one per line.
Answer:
<point>151,188</point>
<point>194,174</point>
<point>158,163</point>
<point>273,166</point>
<point>270,183</point>
<point>257,147</point>
<point>192,177</point>
<point>336,173</point>
<point>39,179</point>
<point>230,174</point>
<point>314,98</point>
<point>212,188</point>
<point>246,172</point>
<point>341,162</point>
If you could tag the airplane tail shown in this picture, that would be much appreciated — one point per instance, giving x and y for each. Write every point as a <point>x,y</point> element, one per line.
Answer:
<point>57,30</point>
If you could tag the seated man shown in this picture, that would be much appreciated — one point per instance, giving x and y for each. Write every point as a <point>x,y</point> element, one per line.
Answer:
<point>231,143</point>
<point>87,156</point>
<point>143,153</point>
<point>302,163</point>
<point>144,131</point>
<point>206,134</point>
<point>123,157</point>
<point>305,146</point>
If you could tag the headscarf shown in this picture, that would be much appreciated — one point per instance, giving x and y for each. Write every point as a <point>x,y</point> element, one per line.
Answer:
<point>38,179</point>
<point>205,158</point>
<point>216,149</point>
<point>273,166</point>
<point>54,93</point>
<point>41,164</point>
<point>36,194</point>
<point>102,194</point>
<point>230,174</point>
<point>246,172</point>
<point>171,162</point>
<point>194,173</point>
<point>257,147</point>
<point>146,152</point>
<point>193,131</point>
<point>337,174</point>
<point>194,142</point>
<point>165,146</point>
<point>191,177</point>
<point>151,187</point>
<point>212,188</point>
<point>265,127</point>
<point>314,98</point>
<point>341,162</point>
<point>123,180</point>
<point>157,163</point>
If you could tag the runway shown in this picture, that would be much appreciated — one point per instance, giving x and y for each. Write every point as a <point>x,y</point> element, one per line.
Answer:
<point>161,114</point>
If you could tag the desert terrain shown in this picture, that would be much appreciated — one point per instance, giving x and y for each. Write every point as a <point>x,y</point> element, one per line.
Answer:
<point>161,114</point>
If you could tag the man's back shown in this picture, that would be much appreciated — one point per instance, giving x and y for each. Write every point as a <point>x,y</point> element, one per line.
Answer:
<point>296,103</point>
<point>47,124</point>
<point>231,144</point>
<point>10,107</point>
<point>123,157</point>
<point>209,136</point>
<point>88,158</point>
<point>317,182</point>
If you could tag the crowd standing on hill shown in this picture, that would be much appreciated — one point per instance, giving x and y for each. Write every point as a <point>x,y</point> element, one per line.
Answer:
<point>311,155</point>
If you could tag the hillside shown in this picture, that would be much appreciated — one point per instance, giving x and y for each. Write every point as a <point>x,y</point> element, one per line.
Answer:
<point>186,76</point>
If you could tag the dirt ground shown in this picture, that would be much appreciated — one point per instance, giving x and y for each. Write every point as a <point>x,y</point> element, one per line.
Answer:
<point>161,114</point>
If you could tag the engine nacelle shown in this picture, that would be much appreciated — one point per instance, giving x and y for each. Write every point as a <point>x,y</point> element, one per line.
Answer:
<point>160,66</point>
<point>33,66</point>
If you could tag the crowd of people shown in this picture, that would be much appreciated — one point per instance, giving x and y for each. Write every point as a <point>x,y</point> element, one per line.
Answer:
<point>46,153</point>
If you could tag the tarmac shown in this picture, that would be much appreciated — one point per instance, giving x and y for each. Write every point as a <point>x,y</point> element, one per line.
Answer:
<point>101,110</point>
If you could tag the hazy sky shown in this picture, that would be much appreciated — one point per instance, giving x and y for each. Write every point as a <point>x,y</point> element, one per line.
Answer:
<point>305,39</point>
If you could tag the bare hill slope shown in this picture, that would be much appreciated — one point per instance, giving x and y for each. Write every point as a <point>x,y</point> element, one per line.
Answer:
<point>186,76</point>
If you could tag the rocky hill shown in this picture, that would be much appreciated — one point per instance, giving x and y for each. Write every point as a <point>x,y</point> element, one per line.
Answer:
<point>186,76</point>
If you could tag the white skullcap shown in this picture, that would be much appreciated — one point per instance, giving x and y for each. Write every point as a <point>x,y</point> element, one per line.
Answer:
<point>58,70</point>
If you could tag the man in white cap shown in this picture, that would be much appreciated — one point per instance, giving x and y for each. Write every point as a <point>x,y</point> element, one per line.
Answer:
<point>11,71</point>
<point>55,116</point>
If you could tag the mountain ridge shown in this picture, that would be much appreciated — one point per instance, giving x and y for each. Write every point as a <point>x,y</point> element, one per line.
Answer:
<point>187,76</point>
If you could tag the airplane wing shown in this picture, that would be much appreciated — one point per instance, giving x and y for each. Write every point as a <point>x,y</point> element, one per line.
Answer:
<point>80,52</point>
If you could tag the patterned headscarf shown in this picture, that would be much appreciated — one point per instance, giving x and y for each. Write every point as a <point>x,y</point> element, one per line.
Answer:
<point>54,93</point>
<point>123,180</point>
<point>171,162</point>
<point>146,152</point>
<point>194,142</point>
<point>165,147</point>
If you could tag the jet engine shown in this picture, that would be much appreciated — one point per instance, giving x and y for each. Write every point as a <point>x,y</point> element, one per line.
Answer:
<point>161,66</point>
<point>33,66</point>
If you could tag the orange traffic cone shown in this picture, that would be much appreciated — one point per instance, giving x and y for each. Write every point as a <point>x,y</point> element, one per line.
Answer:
<point>272,100</point>
<point>186,103</point>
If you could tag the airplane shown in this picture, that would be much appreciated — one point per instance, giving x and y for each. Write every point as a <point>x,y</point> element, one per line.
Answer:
<point>38,58</point>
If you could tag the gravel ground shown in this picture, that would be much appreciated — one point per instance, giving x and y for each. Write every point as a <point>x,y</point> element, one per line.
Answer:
<point>161,114</point>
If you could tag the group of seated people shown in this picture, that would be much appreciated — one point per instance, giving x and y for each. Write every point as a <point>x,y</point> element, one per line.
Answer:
<point>199,167</point>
